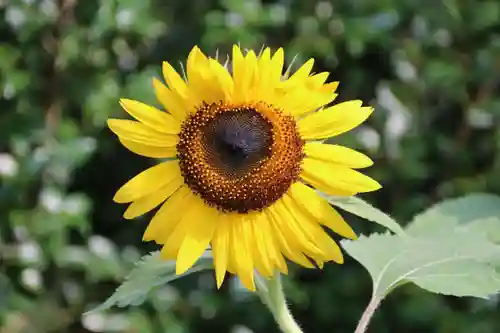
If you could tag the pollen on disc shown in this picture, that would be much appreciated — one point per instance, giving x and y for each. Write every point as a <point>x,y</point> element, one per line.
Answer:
<point>239,158</point>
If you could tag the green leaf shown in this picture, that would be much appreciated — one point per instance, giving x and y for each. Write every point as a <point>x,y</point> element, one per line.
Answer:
<point>472,213</point>
<point>150,272</point>
<point>363,209</point>
<point>453,265</point>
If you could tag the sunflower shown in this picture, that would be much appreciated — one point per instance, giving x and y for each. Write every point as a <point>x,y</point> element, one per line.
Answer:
<point>243,152</point>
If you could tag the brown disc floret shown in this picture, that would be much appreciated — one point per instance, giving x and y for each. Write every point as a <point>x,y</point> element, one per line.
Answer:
<point>239,158</point>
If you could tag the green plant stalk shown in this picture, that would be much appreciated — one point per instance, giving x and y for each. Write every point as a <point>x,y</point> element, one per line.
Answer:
<point>367,315</point>
<point>272,295</point>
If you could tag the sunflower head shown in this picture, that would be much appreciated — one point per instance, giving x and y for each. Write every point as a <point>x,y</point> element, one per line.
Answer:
<point>243,156</point>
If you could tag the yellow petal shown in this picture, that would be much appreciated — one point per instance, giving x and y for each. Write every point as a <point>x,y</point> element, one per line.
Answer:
<point>258,244</point>
<point>268,75</point>
<point>298,104</point>
<point>148,151</point>
<point>334,120</point>
<point>337,154</point>
<point>209,81</point>
<point>276,68</point>
<point>171,246</point>
<point>149,202</point>
<point>292,229</point>
<point>317,80</point>
<point>220,248</point>
<point>336,179</point>
<point>301,97</point>
<point>307,199</point>
<point>251,77</point>
<point>239,74</point>
<point>167,217</point>
<point>195,61</point>
<point>200,78</point>
<point>244,68</point>
<point>151,116</point>
<point>262,83</point>
<point>200,222</point>
<point>174,239</point>
<point>301,74</point>
<point>148,181</point>
<point>171,101</point>
<point>135,131</point>
<point>265,235</point>
<point>223,78</point>
<point>241,253</point>
<point>288,246</point>
<point>264,59</point>
<point>315,234</point>
<point>175,81</point>
<point>232,257</point>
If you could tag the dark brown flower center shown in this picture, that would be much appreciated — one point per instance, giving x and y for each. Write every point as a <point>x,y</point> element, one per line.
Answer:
<point>237,141</point>
<point>239,158</point>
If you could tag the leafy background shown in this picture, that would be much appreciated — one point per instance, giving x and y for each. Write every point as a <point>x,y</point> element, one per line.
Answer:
<point>431,69</point>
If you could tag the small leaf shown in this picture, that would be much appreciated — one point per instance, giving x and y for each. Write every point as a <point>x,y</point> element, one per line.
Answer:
<point>150,272</point>
<point>472,213</point>
<point>453,265</point>
<point>363,209</point>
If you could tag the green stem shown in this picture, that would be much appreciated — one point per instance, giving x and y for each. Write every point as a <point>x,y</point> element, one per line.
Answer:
<point>274,298</point>
<point>367,315</point>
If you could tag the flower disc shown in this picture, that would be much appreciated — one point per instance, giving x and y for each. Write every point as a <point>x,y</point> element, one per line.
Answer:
<point>239,158</point>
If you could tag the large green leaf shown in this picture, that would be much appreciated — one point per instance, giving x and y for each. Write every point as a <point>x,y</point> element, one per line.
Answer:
<point>150,272</point>
<point>458,264</point>
<point>472,213</point>
<point>361,208</point>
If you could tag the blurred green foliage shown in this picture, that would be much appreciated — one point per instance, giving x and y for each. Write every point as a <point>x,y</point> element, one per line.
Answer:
<point>431,69</point>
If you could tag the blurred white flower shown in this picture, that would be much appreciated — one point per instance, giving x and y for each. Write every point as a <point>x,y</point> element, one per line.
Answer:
<point>8,165</point>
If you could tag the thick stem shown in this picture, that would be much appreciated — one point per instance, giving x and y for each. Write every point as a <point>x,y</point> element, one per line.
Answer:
<point>367,315</point>
<point>275,300</point>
